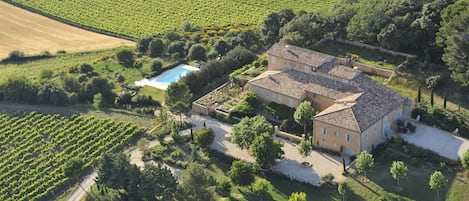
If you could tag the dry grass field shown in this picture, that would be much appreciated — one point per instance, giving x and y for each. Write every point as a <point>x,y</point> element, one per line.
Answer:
<point>32,33</point>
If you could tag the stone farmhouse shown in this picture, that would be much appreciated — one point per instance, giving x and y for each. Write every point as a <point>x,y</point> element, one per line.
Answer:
<point>353,112</point>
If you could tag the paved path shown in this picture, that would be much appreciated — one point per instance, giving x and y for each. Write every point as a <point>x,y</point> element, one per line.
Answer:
<point>290,165</point>
<point>439,141</point>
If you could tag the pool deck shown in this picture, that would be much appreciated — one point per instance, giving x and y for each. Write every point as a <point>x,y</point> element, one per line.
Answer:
<point>160,85</point>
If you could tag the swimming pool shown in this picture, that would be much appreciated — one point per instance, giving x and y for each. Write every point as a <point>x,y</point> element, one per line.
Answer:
<point>163,80</point>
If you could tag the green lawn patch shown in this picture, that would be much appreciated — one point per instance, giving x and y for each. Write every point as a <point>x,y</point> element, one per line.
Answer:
<point>366,56</point>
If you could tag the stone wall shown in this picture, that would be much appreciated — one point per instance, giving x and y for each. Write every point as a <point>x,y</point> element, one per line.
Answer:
<point>367,68</point>
<point>288,136</point>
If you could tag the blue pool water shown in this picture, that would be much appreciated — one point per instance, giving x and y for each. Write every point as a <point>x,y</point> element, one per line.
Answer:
<point>173,75</point>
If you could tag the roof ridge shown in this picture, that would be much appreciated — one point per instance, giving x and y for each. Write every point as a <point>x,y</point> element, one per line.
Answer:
<point>335,111</point>
<point>355,119</point>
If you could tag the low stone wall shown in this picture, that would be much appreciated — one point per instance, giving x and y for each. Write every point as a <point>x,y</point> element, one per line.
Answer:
<point>200,108</point>
<point>288,136</point>
<point>367,68</point>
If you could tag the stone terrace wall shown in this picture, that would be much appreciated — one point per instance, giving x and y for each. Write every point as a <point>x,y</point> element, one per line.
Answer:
<point>368,69</point>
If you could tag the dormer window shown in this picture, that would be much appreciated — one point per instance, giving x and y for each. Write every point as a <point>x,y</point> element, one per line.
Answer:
<point>313,68</point>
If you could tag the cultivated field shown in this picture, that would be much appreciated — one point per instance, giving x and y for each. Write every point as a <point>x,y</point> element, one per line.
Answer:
<point>35,147</point>
<point>140,18</point>
<point>32,33</point>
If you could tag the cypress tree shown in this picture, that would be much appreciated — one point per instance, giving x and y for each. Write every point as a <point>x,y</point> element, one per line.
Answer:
<point>444,100</point>
<point>419,94</point>
<point>431,97</point>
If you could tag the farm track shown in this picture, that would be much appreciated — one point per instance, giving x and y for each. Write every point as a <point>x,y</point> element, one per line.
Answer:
<point>32,33</point>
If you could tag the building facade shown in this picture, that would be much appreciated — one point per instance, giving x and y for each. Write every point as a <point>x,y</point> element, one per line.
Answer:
<point>354,113</point>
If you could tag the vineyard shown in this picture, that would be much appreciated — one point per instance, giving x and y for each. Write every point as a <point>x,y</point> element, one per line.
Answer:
<point>34,148</point>
<point>141,18</point>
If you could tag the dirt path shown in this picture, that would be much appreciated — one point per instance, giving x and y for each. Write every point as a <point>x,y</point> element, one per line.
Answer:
<point>33,33</point>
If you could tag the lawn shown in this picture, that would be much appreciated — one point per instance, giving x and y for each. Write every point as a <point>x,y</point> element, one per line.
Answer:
<point>151,17</point>
<point>370,57</point>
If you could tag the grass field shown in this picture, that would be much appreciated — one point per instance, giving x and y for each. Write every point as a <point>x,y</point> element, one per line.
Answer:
<point>141,18</point>
<point>32,33</point>
<point>35,148</point>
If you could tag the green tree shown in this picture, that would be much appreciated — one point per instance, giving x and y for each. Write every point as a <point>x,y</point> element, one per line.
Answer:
<point>364,163</point>
<point>244,132</point>
<point>305,148</point>
<point>221,46</point>
<point>156,65</point>
<point>155,47</point>
<point>177,98</point>
<point>260,189</point>
<point>419,94</point>
<point>454,37</point>
<point>304,114</point>
<point>19,90</point>
<point>398,170</point>
<point>265,149</point>
<point>73,166</point>
<point>437,182</point>
<point>176,47</point>
<point>158,183</point>
<point>297,196</point>
<point>125,56</point>
<point>98,102</point>
<point>241,173</point>
<point>142,44</point>
<point>342,189</point>
<point>445,99</point>
<point>85,68</point>
<point>465,160</point>
<point>195,184</point>
<point>204,137</point>
<point>49,94</point>
<point>198,52</point>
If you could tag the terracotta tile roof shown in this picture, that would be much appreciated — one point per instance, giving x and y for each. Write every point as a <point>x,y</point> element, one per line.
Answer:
<point>344,72</point>
<point>373,104</point>
<point>294,84</point>
<point>298,54</point>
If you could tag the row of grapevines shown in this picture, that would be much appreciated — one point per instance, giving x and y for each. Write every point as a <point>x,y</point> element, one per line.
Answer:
<point>34,147</point>
<point>141,18</point>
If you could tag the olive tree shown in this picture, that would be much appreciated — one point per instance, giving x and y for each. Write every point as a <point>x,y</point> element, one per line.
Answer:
<point>365,162</point>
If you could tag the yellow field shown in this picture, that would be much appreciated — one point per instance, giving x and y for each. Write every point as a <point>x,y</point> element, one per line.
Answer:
<point>32,33</point>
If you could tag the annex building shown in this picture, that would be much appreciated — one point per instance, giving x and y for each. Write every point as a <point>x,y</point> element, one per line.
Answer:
<point>353,112</point>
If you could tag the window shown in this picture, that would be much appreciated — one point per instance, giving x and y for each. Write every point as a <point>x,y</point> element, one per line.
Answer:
<point>273,60</point>
<point>279,98</point>
<point>324,143</point>
<point>268,93</point>
<point>324,131</point>
<point>365,135</point>
<point>336,133</point>
<point>318,105</point>
<point>348,137</point>
<point>313,69</point>
<point>290,102</point>
<point>306,69</point>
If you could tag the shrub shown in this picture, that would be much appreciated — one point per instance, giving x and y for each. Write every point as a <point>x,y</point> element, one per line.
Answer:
<point>15,56</point>
<point>204,137</point>
<point>176,154</point>
<point>125,55</point>
<point>197,52</point>
<point>260,189</point>
<point>223,188</point>
<point>46,74</point>
<point>411,127</point>
<point>156,66</point>
<point>465,160</point>
<point>241,173</point>
<point>327,179</point>
<point>85,68</point>
<point>398,140</point>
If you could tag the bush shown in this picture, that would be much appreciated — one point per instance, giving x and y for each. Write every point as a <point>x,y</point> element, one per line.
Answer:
<point>411,127</point>
<point>85,68</point>
<point>125,56</point>
<point>46,74</point>
<point>465,160</point>
<point>156,66</point>
<point>398,140</point>
<point>327,179</point>
<point>223,188</point>
<point>15,56</point>
<point>261,188</point>
<point>197,52</point>
<point>241,173</point>
<point>204,137</point>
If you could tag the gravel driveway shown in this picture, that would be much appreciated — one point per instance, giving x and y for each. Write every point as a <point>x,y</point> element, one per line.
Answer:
<point>290,165</point>
<point>439,141</point>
